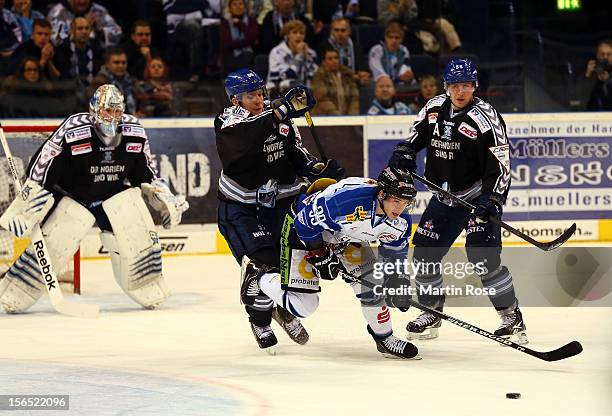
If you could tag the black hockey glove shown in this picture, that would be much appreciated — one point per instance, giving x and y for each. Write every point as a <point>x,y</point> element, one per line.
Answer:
<point>325,264</point>
<point>397,290</point>
<point>296,102</point>
<point>489,205</point>
<point>403,157</point>
<point>330,169</point>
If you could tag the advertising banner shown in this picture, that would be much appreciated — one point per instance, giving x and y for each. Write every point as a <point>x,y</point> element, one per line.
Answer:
<point>561,166</point>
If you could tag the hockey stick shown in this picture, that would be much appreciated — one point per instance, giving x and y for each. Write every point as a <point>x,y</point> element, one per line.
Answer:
<point>59,303</point>
<point>315,136</point>
<point>542,246</point>
<point>566,351</point>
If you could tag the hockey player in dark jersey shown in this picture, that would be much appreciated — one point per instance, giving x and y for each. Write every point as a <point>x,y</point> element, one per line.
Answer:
<point>94,169</point>
<point>468,155</point>
<point>264,166</point>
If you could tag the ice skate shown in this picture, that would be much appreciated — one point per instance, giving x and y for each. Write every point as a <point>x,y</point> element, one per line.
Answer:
<point>292,325</point>
<point>512,327</point>
<point>394,347</point>
<point>265,338</point>
<point>425,326</point>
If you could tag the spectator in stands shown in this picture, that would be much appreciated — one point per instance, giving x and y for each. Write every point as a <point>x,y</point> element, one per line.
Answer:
<point>437,34</point>
<point>105,29</point>
<point>186,37</point>
<point>10,37</point>
<point>335,87</point>
<point>428,88</point>
<point>601,69</point>
<point>40,47</point>
<point>156,97</point>
<point>79,57</point>
<point>349,52</point>
<point>391,58</point>
<point>115,71</point>
<point>28,81</point>
<point>138,48</point>
<point>271,30</point>
<point>384,102</point>
<point>239,36</point>
<point>292,62</point>
<point>256,8</point>
<point>26,16</point>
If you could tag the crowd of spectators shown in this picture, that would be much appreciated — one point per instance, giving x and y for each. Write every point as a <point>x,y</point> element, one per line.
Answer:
<point>359,56</point>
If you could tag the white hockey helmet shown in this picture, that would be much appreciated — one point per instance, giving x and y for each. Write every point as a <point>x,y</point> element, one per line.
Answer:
<point>106,107</point>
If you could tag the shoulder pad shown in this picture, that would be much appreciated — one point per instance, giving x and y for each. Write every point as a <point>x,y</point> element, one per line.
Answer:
<point>436,101</point>
<point>128,118</point>
<point>480,119</point>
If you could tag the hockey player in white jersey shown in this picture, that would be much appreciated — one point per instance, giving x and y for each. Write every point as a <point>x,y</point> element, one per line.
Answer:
<point>94,169</point>
<point>326,227</point>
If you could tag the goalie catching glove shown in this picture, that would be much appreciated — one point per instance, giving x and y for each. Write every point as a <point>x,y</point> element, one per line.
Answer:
<point>170,206</point>
<point>325,263</point>
<point>28,209</point>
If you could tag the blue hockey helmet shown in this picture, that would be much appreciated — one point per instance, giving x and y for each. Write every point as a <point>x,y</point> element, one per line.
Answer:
<point>460,70</point>
<point>241,81</point>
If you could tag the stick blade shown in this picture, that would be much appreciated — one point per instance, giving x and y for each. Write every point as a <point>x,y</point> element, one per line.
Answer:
<point>561,353</point>
<point>77,310</point>
<point>561,239</point>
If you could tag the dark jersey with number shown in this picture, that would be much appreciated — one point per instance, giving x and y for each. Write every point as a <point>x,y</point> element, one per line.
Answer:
<point>255,149</point>
<point>74,161</point>
<point>467,149</point>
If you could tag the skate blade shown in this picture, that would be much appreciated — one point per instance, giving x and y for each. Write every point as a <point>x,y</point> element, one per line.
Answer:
<point>519,338</point>
<point>430,333</point>
<point>397,357</point>
<point>271,350</point>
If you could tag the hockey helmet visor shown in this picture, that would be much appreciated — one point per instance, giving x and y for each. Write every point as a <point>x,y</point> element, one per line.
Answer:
<point>397,183</point>
<point>460,70</point>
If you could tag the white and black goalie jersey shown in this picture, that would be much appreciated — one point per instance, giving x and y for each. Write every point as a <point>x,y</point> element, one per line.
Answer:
<point>74,161</point>
<point>467,149</point>
<point>255,149</point>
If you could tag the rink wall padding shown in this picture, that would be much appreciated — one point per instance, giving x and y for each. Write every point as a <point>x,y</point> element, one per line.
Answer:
<point>561,169</point>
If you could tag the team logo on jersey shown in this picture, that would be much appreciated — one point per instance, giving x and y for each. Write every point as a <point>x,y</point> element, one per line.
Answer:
<point>468,131</point>
<point>448,132</point>
<point>502,154</point>
<point>79,149</point>
<point>135,131</point>
<point>77,134</point>
<point>133,147</point>
<point>108,157</point>
<point>432,117</point>
<point>284,130</point>
<point>359,215</point>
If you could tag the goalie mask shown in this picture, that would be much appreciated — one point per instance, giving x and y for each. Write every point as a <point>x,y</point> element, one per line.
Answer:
<point>106,107</point>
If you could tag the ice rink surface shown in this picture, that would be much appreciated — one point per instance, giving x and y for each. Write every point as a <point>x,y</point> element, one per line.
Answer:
<point>197,356</point>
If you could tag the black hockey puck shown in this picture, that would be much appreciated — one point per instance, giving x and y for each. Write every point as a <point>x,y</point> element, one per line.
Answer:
<point>513,395</point>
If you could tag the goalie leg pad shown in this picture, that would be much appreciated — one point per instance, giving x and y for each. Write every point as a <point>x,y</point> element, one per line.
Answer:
<point>135,249</point>
<point>22,284</point>
<point>67,225</point>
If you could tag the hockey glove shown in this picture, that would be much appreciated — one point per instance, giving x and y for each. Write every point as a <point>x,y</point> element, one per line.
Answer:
<point>296,102</point>
<point>489,205</point>
<point>27,210</point>
<point>325,264</point>
<point>403,157</point>
<point>398,299</point>
<point>330,169</point>
<point>170,207</point>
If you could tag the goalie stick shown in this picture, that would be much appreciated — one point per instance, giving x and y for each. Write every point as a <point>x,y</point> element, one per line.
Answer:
<point>566,351</point>
<point>542,246</point>
<point>43,258</point>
